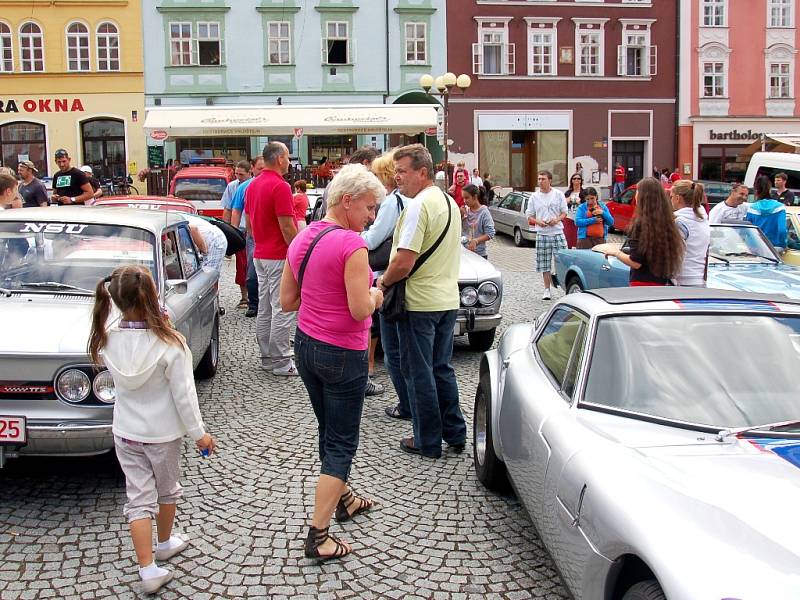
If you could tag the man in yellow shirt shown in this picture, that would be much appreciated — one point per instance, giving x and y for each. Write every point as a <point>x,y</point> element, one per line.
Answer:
<point>432,300</point>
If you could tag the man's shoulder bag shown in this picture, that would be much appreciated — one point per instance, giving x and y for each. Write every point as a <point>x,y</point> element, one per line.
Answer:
<point>379,258</point>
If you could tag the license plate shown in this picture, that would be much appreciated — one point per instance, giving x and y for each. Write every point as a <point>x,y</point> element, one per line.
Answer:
<point>13,431</point>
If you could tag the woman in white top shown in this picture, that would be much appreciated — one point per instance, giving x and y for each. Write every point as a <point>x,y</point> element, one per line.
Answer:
<point>693,224</point>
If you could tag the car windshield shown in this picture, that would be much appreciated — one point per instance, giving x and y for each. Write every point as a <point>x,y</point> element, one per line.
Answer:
<point>200,189</point>
<point>70,257</point>
<point>717,370</point>
<point>739,244</point>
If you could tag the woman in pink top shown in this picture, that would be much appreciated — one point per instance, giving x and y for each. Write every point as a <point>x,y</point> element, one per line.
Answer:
<point>335,302</point>
<point>300,203</point>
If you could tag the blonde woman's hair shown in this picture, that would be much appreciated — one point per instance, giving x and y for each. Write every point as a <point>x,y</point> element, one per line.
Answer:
<point>356,180</point>
<point>692,194</point>
<point>383,168</point>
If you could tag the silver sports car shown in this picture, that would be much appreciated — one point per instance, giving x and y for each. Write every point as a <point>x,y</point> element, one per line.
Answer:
<point>653,434</point>
<point>53,400</point>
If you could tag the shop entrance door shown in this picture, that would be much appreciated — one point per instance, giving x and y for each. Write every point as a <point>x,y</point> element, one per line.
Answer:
<point>629,153</point>
<point>104,147</point>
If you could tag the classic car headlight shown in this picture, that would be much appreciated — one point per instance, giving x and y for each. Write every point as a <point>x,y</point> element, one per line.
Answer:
<point>73,385</point>
<point>103,387</point>
<point>469,296</point>
<point>488,293</point>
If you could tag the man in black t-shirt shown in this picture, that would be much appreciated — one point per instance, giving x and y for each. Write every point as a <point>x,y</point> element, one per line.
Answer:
<point>31,189</point>
<point>70,184</point>
<point>783,194</point>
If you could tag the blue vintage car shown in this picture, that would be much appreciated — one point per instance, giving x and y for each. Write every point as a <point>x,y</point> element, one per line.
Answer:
<point>740,258</point>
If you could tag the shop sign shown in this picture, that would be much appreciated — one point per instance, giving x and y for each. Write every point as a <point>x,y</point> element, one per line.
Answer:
<point>42,105</point>
<point>159,134</point>
<point>735,135</point>
<point>523,122</point>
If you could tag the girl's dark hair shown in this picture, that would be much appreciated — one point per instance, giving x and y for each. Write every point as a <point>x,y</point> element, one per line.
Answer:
<point>654,227</point>
<point>133,290</point>
<point>474,191</point>
<point>693,195</point>
<point>762,187</point>
<point>590,191</point>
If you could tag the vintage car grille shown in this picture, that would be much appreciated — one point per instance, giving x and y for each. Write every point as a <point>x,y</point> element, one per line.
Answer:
<point>27,390</point>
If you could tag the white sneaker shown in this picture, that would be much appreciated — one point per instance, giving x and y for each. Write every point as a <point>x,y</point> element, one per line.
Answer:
<point>290,371</point>
<point>546,294</point>
<point>172,547</point>
<point>152,583</point>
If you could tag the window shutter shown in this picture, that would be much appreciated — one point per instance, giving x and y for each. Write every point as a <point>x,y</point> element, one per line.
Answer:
<point>653,61</point>
<point>510,68</point>
<point>620,60</point>
<point>324,42</point>
<point>194,44</point>
<point>477,59</point>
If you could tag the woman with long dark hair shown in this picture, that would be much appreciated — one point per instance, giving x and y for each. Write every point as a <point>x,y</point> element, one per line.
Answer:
<point>654,249</point>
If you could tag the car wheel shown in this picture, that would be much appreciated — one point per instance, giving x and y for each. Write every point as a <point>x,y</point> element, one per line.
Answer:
<point>490,470</point>
<point>645,590</point>
<point>481,340</point>
<point>518,239</point>
<point>208,364</point>
<point>574,286</point>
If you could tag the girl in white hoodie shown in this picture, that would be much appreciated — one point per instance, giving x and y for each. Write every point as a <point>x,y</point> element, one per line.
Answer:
<point>692,220</point>
<point>156,405</point>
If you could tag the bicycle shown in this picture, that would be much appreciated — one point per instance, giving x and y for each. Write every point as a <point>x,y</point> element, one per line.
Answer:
<point>118,186</point>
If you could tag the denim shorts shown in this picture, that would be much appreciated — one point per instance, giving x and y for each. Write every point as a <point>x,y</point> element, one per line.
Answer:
<point>336,379</point>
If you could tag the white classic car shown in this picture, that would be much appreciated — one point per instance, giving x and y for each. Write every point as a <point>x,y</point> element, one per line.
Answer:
<point>53,400</point>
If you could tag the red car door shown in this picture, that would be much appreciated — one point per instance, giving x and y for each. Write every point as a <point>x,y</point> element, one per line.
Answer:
<point>622,209</point>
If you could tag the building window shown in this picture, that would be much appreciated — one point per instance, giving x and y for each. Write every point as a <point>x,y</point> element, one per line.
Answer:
<point>543,52</point>
<point>180,46</point>
<point>416,44</point>
<point>636,57</point>
<point>26,140</point>
<point>279,43</point>
<point>31,48</point>
<point>6,53</point>
<point>723,163</point>
<point>493,55</point>
<point>714,13</point>
<point>780,80</point>
<point>589,50</point>
<point>107,47</point>
<point>336,46</point>
<point>713,80</point>
<point>780,13</point>
<point>209,44</point>
<point>78,47</point>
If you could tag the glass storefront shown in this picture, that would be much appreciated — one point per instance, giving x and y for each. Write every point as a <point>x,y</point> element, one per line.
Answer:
<point>514,158</point>
<point>722,163</point>
<point>233,149</point>
<point>20,141</point>
<point>104,147</point>
<point>336,148</point>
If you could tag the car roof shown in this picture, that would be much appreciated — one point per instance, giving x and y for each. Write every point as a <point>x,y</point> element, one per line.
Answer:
<point>795,210</point>
<point>203,172</point>
<point>153,221</point>
<point>637,295</point>
<point>141,199</point>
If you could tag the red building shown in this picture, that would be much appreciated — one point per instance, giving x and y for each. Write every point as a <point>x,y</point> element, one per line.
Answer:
<point>561,82</point>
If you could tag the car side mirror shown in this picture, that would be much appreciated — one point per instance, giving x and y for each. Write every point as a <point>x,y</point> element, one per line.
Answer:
<point>178,286</point>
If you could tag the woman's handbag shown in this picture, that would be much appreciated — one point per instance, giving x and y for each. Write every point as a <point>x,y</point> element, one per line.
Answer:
<point>379,257</point>
<point>393,308</point>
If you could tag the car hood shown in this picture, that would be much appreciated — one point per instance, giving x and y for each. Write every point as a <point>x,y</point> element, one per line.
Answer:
<point>475,269</point>
<point>45,324</point>
<point>780,279</point>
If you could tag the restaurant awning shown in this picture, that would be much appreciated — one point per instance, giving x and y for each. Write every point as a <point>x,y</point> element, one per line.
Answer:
<point>207,121</point>
<point>771,142</point>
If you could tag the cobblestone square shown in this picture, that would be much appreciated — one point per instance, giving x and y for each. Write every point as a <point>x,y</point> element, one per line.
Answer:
<point>436,533</point>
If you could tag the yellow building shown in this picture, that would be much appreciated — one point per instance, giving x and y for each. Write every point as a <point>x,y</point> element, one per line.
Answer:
<point>71,73</point>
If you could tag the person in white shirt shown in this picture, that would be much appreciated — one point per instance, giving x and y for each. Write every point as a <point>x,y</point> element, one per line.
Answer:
<point>733,208</point>
<point>476,178</point>
<point>210,240</point>
<point>693,224</point>
<point>155,406</point>
<point>546,209</point>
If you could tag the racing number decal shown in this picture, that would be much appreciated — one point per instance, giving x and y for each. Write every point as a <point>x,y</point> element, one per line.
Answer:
<point>10,430</point>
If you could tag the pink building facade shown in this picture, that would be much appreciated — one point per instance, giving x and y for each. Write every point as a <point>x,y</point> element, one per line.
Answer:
<point>738,82</point>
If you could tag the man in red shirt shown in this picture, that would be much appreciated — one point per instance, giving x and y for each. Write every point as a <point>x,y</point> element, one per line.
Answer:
<point>619,181</point>
<point>270,211</point>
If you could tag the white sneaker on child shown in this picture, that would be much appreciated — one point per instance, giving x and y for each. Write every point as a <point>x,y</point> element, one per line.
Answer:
<point>154,578</point>
<point>168,549</point>
<point>546,294</point>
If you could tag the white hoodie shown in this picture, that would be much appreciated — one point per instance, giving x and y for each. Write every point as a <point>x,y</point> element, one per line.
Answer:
<point>696,232</point>
<point>156,398</point>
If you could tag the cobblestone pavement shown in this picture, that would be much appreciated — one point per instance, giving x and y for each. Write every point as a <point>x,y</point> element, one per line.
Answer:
<point>437,533</point>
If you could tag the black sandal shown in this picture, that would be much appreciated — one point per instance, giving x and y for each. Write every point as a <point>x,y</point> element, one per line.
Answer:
<point>346,501</point>
<point>317,537</point>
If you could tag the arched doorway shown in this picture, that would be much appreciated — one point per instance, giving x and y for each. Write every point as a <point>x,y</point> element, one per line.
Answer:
<point>104,147</point>
<point>430,141</point>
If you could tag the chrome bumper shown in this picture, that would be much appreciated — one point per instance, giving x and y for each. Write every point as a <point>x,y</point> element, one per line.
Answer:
<point>68,439</point>
<point>468,321</point>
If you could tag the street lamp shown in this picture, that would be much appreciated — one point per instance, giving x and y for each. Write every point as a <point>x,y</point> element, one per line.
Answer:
<point>445,86</point>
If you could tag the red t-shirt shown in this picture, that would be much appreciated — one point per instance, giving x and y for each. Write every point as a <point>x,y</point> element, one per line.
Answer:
<point>619,175</point>
<point>300,201</point>
<point>267,198</point>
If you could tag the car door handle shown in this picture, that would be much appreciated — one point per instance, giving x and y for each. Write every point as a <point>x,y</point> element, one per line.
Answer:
<point>605,267</point>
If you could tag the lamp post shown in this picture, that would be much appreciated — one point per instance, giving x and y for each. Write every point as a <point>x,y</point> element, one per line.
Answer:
<point>445,85</point>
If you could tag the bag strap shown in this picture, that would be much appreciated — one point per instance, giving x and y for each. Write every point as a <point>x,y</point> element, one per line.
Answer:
<point>421,260</point>
<point>314,242</point>
<point>400,206</point>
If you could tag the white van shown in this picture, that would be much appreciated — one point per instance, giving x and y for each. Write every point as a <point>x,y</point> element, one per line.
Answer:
<point>769,163</point>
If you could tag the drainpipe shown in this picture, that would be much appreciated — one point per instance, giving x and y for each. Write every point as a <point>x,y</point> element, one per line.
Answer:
<point>386,37</point>
<point>678,85</point>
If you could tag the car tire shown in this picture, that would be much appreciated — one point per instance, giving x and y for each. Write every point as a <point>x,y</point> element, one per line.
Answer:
<point>519,241</point>
<point>208,364</point>
<point>573,286</point>
<point>490,470</point>
<point>645,590</point>
<point>481,341</point>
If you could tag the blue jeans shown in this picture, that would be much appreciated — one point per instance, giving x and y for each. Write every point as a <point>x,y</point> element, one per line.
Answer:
<point>252,277</point>
<point>619,188</point>
<point>426,347</point>
<point>390,341</point>
<point>336,379</point>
